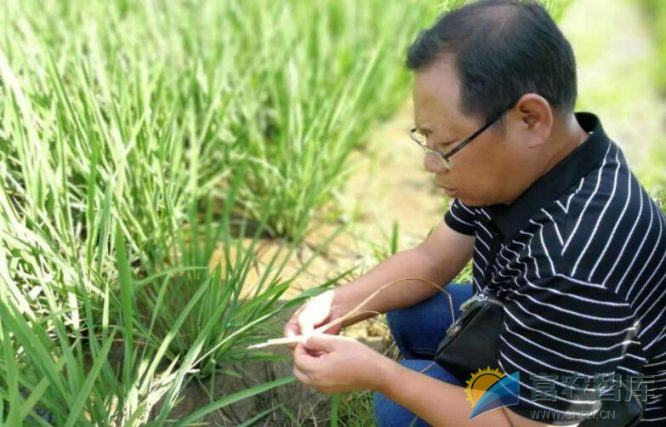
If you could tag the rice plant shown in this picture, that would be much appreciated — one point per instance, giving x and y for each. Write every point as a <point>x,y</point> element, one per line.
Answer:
<point>123,356</point>
<point>293,87</point>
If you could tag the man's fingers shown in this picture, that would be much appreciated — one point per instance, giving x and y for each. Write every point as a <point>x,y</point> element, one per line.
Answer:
<point>291,329</point>
<point>324,342</point>
<point>333,330</point>
<point>301,376</point>
<point>304,359</point>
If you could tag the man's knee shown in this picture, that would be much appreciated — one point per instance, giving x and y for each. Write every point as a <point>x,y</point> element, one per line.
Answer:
<point>418,329</point>
<point>396,319</point>
<point>406,320</point>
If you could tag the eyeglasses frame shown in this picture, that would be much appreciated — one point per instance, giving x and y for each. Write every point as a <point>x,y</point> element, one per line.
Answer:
<point>446,156</point>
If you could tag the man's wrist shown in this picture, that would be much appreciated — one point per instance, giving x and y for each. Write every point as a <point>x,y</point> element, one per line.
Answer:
<point>346,298</point>
<point>387,372</point>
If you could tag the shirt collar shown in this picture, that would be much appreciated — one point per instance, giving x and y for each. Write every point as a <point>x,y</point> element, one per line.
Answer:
<point>569,171</point>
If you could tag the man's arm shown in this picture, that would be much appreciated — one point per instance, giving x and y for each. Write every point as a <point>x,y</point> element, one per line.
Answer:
<point>439,258</point>
<point>440,403</point>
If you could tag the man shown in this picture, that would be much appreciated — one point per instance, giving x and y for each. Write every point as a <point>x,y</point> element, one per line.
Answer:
<point>580,265</point>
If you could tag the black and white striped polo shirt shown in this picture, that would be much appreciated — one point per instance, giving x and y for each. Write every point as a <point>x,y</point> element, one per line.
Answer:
<point>581,268</point>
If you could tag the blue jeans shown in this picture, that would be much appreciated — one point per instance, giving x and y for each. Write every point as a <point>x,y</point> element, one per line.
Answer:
<point>417,330</point>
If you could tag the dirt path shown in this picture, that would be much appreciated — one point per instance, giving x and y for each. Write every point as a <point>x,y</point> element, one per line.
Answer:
<point>391,185</point>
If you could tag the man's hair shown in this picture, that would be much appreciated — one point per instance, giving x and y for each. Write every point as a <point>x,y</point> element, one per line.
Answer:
<point>502,49</point>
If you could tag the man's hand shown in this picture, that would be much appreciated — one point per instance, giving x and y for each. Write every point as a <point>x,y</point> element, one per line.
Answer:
<point>333,364</point>
<point>314,313</point>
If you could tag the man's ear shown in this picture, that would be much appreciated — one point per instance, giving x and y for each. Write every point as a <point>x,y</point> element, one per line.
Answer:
<point>536,118</point>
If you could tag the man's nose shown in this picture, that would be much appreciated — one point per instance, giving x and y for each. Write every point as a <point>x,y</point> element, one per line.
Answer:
<point>433,163</point>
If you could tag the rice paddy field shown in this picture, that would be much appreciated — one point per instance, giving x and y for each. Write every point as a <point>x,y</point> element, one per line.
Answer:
<point>148,151</point>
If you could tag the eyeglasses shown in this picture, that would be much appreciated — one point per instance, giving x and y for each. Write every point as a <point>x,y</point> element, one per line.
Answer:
<point>422,140</point>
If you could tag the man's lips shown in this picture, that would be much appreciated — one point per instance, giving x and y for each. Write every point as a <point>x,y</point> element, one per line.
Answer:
<point>446,188</point>
<point>450,191</point>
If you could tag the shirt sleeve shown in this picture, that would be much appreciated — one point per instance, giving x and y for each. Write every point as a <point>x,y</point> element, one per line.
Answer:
<point>566,340</point>
<point>461,218</point>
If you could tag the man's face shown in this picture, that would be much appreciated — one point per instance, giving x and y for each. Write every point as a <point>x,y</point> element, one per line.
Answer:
<point>488,169</point>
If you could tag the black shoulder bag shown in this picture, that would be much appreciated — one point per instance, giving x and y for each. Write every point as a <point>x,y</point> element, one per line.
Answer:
<point>472,343</point>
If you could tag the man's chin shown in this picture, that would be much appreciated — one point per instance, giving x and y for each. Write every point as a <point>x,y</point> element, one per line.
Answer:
<point>474,202</point>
